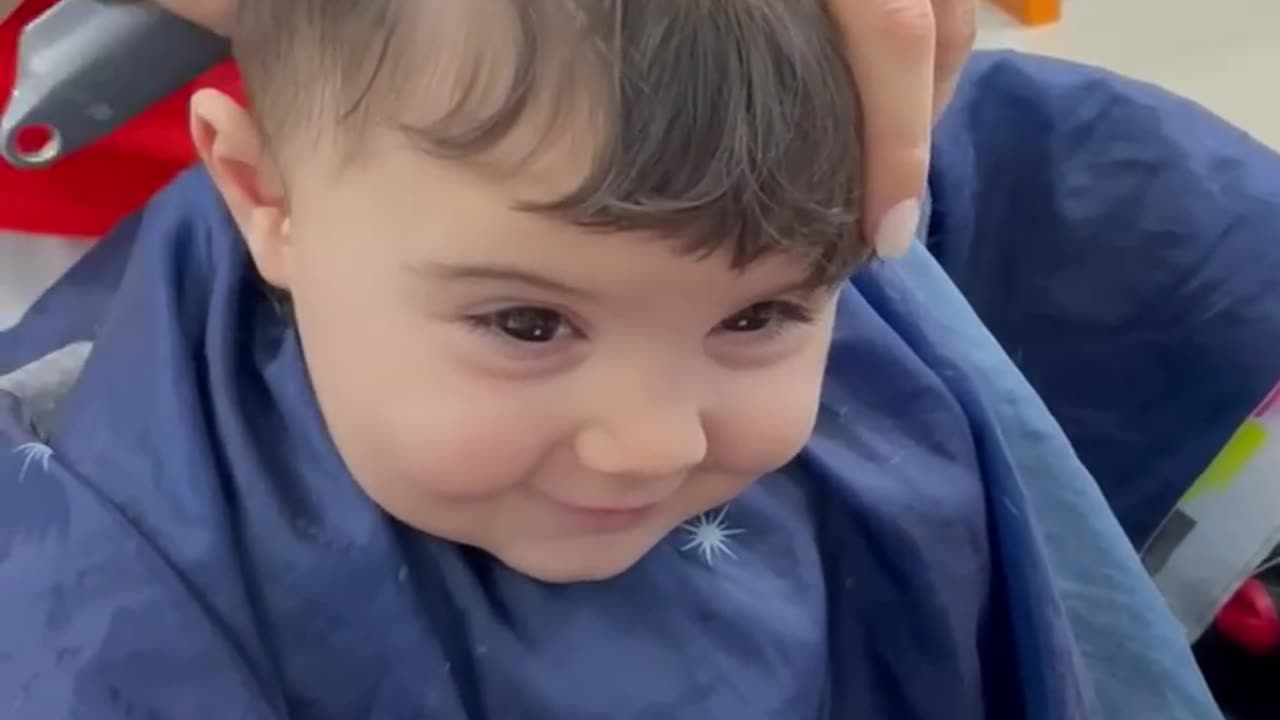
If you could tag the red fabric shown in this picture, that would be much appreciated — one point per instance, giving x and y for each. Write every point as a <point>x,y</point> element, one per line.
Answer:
<point>1251,619</point>
<point>88,192</point>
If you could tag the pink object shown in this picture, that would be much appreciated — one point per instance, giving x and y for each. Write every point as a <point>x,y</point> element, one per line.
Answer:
<point>1272,401</point>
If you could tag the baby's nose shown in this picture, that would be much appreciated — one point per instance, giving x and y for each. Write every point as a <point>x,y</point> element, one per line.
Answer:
<point>650,442</point>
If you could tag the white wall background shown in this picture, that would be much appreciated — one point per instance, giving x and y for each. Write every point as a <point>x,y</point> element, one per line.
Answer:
<point>1223,53</point>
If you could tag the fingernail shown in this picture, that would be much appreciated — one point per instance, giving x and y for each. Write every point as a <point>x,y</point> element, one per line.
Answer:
<point>898,229</point>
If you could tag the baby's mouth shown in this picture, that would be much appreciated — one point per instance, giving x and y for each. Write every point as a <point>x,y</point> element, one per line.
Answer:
<point>606,518</point>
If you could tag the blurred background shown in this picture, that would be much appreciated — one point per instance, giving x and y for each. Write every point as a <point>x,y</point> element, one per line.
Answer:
<point>1223,53</point>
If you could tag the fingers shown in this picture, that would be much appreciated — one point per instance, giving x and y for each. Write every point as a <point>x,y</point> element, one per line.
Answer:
<point>213,14</point>
<point>957,28</point>
<point>7,7</point>
<point>891,50</point>
<point>217,15</point>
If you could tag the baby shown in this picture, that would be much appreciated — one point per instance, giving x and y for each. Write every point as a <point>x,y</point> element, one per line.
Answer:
<point>496,416</point>
<point>563,272</point>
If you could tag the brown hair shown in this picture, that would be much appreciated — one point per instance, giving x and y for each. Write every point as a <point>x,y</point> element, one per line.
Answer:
<point>729,124</point>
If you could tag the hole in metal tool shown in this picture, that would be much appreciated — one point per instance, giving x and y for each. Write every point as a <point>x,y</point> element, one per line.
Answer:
<point>37,144</point>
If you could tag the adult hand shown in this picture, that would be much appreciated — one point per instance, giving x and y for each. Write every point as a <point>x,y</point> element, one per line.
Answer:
<point>8,6</point>
<point>213,14</point>
<point>216,15</point>
<point>906,56</point>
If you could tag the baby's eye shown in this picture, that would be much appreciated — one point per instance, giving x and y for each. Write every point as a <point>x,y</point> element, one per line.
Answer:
<point>765,316</point>
<point>528,324</point>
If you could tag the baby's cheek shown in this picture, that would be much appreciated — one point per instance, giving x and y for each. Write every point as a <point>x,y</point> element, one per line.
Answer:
<point>764,422</point>
<point>462,443</point>
<point>763,432</point>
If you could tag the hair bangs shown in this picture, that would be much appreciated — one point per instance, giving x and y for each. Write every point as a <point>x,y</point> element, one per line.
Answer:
<point>725,126</point>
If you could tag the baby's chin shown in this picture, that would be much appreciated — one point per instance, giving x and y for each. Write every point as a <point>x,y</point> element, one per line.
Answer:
<point>582,560</point>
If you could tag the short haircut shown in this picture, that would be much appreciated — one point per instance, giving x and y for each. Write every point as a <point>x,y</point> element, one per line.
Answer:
<point>727,125</point>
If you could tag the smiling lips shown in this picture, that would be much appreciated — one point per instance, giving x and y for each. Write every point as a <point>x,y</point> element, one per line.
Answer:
<point>607,519</point>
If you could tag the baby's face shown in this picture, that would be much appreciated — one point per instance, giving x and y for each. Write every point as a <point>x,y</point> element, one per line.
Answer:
<point>560,399</point>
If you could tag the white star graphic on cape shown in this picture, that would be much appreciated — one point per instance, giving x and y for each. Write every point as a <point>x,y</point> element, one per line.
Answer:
<point>709,535</point>
<point>32,453</point>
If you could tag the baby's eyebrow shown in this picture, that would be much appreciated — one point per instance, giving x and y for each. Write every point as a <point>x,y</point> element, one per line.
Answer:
<point>465,272</point>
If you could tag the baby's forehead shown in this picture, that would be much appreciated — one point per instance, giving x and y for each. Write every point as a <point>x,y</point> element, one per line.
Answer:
<point>447,221</point>
<point>628,272</point>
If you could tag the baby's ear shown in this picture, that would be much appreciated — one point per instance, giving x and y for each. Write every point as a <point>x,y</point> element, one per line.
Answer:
<point>233,150</point>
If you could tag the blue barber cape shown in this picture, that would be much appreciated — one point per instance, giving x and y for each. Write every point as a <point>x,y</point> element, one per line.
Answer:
<point>178,537</point>
<point>1123,244</point>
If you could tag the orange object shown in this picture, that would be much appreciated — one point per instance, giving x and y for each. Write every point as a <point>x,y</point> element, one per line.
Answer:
<point>1033,12</point>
